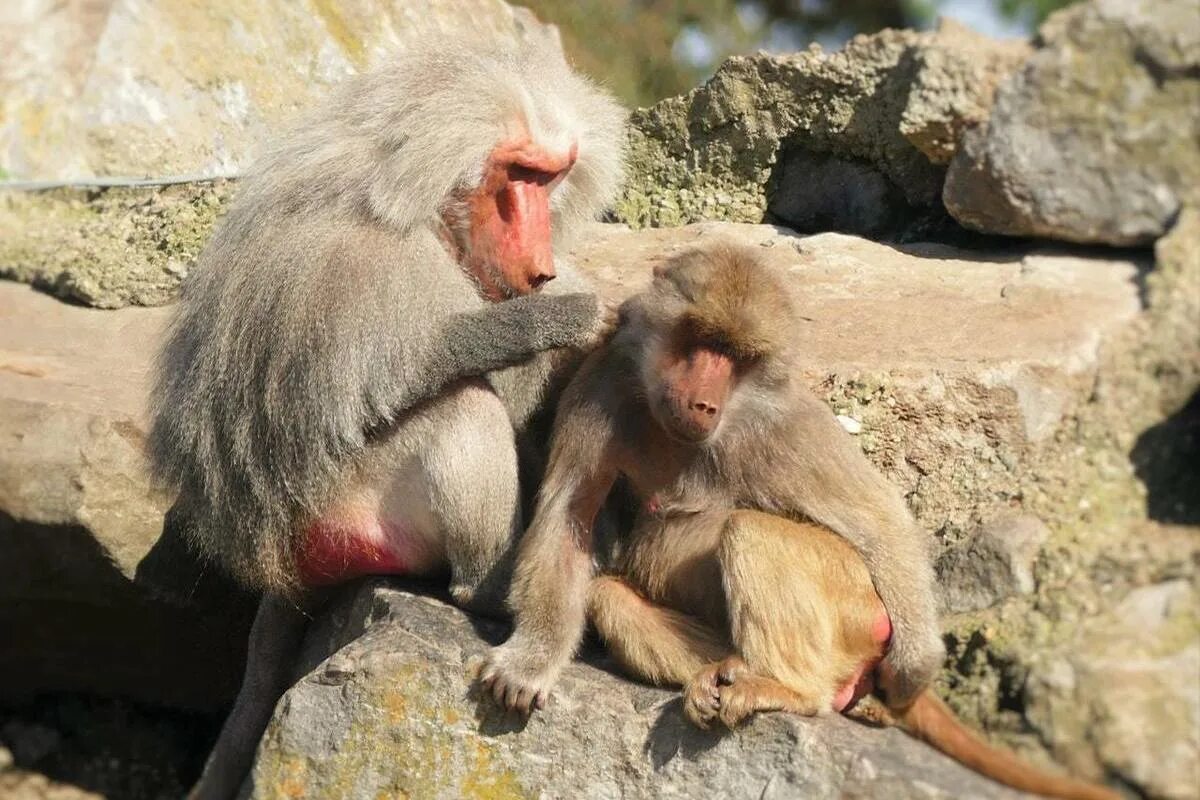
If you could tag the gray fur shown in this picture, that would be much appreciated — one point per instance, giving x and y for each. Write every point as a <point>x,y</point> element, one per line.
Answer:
<point>326,305</point>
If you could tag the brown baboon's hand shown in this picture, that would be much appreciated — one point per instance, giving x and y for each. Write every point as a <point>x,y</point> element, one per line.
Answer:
<point>610,319</point>
<point>911,664</point>
<point>506,675</point>
<point>702,697</point>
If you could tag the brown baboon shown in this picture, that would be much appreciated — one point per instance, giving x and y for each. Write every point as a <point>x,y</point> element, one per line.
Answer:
<point>363,348</point>
<point>693,403</point>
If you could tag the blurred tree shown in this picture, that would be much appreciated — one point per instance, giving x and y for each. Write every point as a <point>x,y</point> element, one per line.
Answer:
<point>631,44</point>
<point>644,50</point>
<point>1036,10</point>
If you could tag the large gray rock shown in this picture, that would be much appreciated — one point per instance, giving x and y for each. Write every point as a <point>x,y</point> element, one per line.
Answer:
<point>1097,138</point>
<point>820,141</point>
<point>130,88</point>
<point>983,383</point>
<point>78,516</point>
<point>991,565</point>
<point>108,247</point>
<point>391,714</point>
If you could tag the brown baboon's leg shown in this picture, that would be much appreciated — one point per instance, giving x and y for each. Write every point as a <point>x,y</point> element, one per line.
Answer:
<point>655,643</point>
<point>728,690</point>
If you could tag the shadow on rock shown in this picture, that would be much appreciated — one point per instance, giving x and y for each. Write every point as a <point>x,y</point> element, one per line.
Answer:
<point>491,719</point>
<point>172,571</point>
<point>672,735</point>
<point>1166,458</point>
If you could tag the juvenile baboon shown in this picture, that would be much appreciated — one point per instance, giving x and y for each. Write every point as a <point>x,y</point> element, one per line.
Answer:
<point>696,404</point>
<point>753,612</point>
<point>333,398</point>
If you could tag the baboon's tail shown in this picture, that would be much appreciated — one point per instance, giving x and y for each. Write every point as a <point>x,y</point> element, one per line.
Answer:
<point>930,720</point>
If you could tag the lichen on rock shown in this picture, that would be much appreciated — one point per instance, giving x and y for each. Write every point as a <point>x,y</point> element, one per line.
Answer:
<point>819,141</point>
<point>1096,138</point>
<point>108,247</point>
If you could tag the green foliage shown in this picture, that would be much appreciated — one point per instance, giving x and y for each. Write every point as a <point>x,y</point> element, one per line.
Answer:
<point>629,44</point>
<point>1037,10</point>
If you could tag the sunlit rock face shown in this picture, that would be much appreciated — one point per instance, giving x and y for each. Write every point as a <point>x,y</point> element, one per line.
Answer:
<point>1097,138</point>
<point>138,88</point>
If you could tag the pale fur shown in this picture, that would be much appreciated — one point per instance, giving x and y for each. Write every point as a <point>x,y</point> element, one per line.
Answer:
<point>326,304</point>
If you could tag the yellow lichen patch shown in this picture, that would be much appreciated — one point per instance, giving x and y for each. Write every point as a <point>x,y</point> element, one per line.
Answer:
<point>293,778</point>
<point>486,781</point>
<point>395,703</point>
<point>351,44</point>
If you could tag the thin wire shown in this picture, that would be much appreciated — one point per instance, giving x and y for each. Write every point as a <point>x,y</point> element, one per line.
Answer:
<point>117,182</point>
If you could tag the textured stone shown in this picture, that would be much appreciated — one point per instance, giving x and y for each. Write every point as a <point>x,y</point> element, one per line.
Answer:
<point>108,247</point>
<point>78,515</point>
<point>818,140</point>
<point>994,563</point>
<point>712,153</point>
<point>1135,688</point>
<point>1097,138</point>
<point>391,713</point>
<point>136,88</point>
<point>73,392</point>
<point>956,77</point>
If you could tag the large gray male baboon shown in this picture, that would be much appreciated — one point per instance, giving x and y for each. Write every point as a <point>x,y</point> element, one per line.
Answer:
<point>328,403</point>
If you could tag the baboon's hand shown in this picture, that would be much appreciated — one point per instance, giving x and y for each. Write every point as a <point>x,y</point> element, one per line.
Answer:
<point>911,664</point>
<point>513,680</point>
<point>578,320</point>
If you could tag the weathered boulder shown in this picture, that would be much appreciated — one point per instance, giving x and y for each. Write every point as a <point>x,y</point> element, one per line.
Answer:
<point>984,383</point>
<point>72,390</point>
<point>1097,138</point>
<point>819,141</point>
<point>992,564</point>
<point>78,515</point>
<point>108,247</point>
<point>1135,676</point>
<point>388,711</point>
<point>134,89</point>
<point>957,72</point>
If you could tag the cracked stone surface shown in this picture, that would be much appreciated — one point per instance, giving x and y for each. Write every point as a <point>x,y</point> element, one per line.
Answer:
<point>983,382</point>
<point>1097,138</point>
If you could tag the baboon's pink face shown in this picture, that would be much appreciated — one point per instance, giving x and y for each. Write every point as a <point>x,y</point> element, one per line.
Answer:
<point>697,383</point>
<point>510,251</point>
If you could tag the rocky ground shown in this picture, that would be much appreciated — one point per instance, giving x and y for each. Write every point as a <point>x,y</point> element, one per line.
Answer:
<point>995,247</point>
<point>79,747</point>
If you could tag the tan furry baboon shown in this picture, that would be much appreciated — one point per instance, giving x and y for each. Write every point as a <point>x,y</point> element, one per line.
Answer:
<point>769,566</point>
